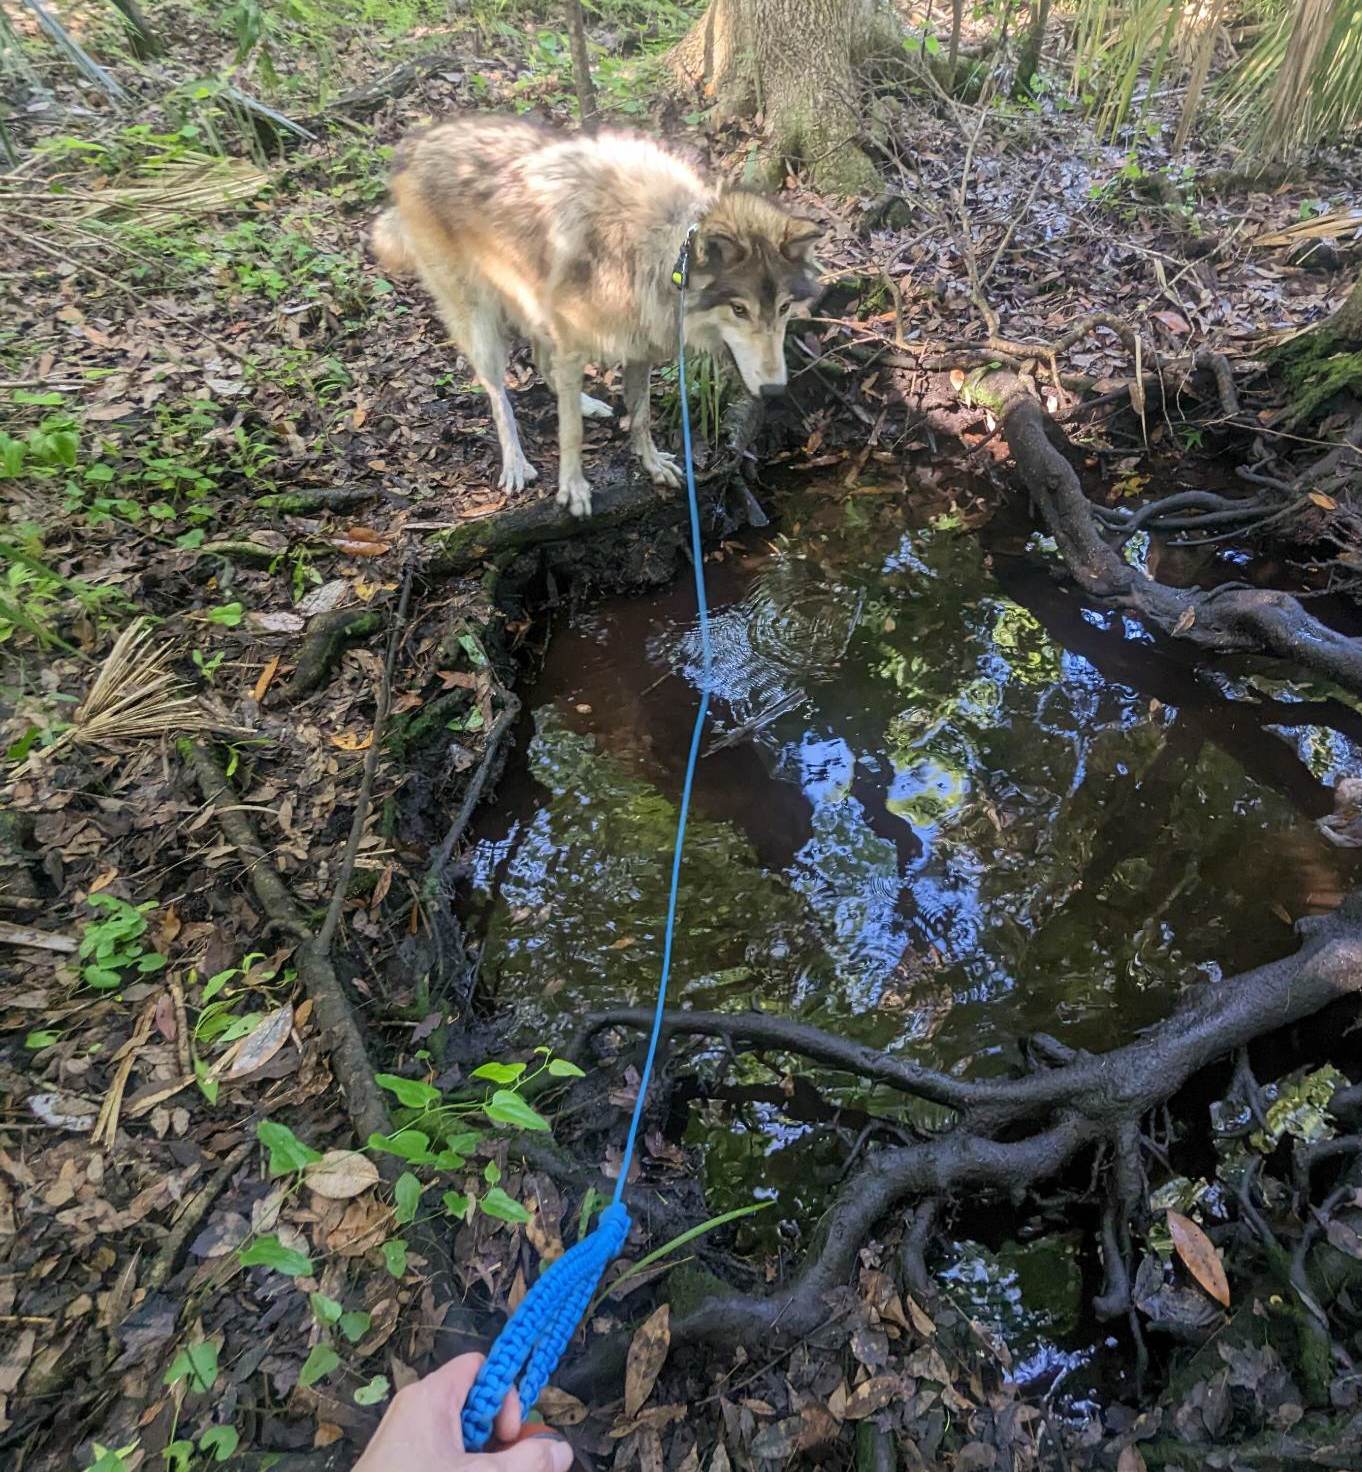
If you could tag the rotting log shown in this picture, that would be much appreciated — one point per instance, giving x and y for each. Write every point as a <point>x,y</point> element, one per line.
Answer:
<point>619,501</point>
<point>1228,619</point>
<point>1012,1133</point>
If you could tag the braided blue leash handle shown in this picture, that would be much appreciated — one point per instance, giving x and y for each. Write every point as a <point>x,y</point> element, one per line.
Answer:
<point>535,1336</point>
<point>539,1330</point>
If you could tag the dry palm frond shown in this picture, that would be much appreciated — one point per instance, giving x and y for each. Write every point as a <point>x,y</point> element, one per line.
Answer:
<point>1301,84</point>
<point>162,193</point>
<point>135,696</point>
<point>1201,70</point>
<point>1346,223</point>
<point>167,191</point>
<point>1291,94</point>
<point>1122,48</point>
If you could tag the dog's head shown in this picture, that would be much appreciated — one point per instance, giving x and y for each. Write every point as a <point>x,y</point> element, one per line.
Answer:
<point>752,269</point>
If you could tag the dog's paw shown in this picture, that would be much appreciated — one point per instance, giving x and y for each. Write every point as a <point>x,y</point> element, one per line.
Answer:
<point>596,408</point>
<point>661,467</point>
<point>517,474</point>
<point>574,492</point>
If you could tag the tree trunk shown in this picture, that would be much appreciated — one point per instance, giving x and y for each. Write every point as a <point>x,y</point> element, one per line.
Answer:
<point>141,38</point>
<point>581,66</point>
<point>957,22</point>
<point>1028,62</point>
<point>794,59</point>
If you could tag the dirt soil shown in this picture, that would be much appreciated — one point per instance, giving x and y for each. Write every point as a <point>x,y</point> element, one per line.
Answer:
<point>229,423</point>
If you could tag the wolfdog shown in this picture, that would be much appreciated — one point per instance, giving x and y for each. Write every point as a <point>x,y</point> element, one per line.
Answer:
<point>571,243</point>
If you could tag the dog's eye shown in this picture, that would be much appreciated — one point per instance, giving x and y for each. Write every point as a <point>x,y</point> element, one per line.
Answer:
<point>739,311</point>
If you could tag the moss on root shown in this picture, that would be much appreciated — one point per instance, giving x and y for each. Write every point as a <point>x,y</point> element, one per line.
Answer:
<point>1316,366</point>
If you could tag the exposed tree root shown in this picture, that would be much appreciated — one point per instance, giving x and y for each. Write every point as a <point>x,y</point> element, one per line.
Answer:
<point>1232,618</point>
<point>1013,1133</point>
<point>324,645</point>
<point>1218,366</point>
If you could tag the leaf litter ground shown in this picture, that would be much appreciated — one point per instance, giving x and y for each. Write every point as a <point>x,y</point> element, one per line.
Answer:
<point>196,1255</point>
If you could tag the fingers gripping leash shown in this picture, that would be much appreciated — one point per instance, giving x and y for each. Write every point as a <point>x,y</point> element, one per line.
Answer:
<point>535,1336</point>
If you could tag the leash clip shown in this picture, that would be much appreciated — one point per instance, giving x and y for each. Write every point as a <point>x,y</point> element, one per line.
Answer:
<point>681,271</point>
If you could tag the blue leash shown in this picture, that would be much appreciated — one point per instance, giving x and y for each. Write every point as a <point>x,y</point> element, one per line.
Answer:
<point>535,1336</point>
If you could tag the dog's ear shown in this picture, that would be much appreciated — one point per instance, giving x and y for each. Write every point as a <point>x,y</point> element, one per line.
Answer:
<point>719,249</point>
<point>799,240</point>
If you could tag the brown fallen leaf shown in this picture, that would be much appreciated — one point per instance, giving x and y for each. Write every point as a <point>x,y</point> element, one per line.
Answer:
<point>780,1440</point>
<point>14,1360</point>
<point>340,1174</point>
<point>360,549</point>
<point>266,675</point>
<point>262,1043</point>
<point>647,1355</point>
<point>1197,1251</point>
<point>1326,502</point>
<point>223,1234</point>
<point>1343,1238</point>
<point>870,1396</point>
<point>349,741</point>
<point>922,1322</point>
<point>559,1408</point>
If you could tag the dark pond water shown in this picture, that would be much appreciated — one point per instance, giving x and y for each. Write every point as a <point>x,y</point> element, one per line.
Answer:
<point>945,804</point>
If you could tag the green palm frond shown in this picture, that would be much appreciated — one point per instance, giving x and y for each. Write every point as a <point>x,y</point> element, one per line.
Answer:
<point>1302,83</point>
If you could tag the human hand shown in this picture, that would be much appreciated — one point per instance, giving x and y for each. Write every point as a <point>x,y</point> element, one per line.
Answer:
<point>420,1431</point>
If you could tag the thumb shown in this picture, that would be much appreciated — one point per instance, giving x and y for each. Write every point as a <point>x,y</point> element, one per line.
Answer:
<point>543,1453</point>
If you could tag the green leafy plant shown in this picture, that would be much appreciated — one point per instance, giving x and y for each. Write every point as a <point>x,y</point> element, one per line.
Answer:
<point>197,1364</point>
<point>228,615</point>
<point>112,1459</point>
<point>208,668</point>
<point>269,1252</point>
<point>113,947</point>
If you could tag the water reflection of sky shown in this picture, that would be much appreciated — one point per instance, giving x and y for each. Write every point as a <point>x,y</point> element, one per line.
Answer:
<point>976,848</point>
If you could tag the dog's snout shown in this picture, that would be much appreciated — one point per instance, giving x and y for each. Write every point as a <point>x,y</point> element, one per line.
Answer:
<point>773,390</point>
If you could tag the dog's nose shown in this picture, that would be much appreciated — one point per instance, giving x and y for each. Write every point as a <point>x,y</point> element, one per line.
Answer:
<point>773,390</point>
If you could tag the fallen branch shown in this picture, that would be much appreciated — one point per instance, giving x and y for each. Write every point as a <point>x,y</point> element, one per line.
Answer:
<point>318,499</point>
<point>340,1034</point>
<point>618,501</point>
<point>158,1274</point>
<point>382,703</point>
<point>433,884</point>
<point>360,102</point>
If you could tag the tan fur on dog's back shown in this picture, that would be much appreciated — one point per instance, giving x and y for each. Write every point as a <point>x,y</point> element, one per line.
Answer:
<point>570,242</point>
<point>560,228</point>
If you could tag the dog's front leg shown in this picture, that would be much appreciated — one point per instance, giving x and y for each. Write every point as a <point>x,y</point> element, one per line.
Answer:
<point>660,466</point>
<point>573,490</point>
